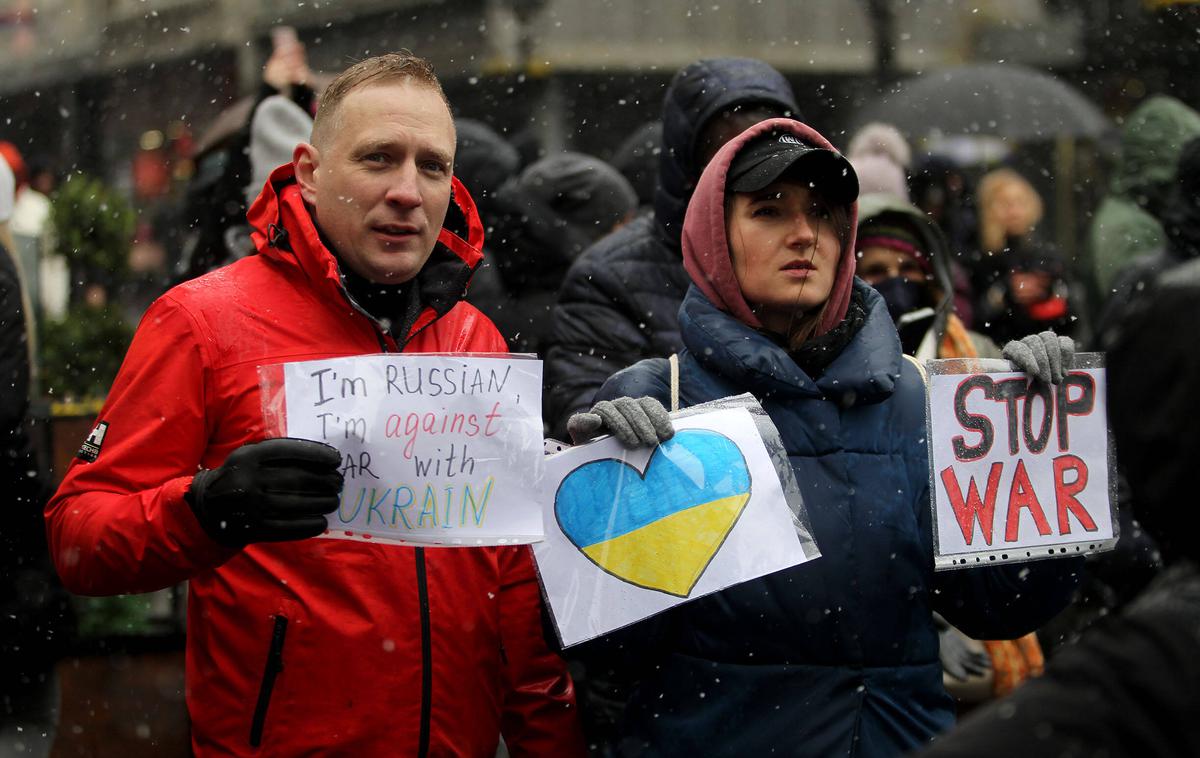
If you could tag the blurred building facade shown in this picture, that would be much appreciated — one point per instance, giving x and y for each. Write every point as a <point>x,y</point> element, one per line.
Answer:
<point>83,81</point>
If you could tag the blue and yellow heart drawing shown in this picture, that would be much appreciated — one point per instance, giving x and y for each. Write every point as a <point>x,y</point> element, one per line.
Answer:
<point>659,528</point>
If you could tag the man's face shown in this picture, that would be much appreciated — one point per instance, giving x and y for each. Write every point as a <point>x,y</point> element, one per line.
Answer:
<point>379,186</point>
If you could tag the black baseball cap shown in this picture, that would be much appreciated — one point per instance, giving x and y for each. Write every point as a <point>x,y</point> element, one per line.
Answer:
<point>765,159</point>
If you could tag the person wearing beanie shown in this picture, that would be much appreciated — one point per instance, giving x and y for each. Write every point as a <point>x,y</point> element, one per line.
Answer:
<point>590,196</point>
<point>904,256</point>
<point>880,174</point>
<point>880,139</point>
<point>837,656</point>
<point>544,219</point>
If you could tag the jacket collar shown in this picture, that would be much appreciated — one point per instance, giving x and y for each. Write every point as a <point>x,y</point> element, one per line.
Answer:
<point>866,371</point>
<point>282,229</point>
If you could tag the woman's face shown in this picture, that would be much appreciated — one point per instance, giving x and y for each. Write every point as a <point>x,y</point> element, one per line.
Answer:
<point>785,252</point>
<point>1011,207</point>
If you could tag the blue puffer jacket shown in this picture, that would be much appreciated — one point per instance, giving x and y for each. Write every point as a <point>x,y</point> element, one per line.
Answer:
<point>838,656</point>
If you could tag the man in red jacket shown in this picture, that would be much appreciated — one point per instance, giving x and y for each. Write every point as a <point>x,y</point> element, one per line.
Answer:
<point>298,645</point>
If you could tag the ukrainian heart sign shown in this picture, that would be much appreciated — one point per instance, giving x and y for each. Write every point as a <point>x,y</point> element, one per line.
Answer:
<point>631,533</point>
<point>665,523</point>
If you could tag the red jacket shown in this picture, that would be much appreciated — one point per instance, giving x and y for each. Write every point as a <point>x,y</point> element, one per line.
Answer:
<point>319,646</point>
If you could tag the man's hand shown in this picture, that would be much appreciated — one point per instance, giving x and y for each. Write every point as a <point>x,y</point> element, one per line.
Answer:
<point>1045,356</point>
<point>269,491</point>
<point>287,66</point>
<point>636,422</point>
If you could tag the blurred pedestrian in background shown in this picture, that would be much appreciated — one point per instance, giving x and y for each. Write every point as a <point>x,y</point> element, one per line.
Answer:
<point>620,300</point>
<point>231,167</point>
<point>1031,292</point>
<point>544,220</point>
<point>1009,210</point>
<point>35,616</point>
<point>637,159</point>
<point>905,257</point>
<point>1127,223</point>
<point>1180,217</point>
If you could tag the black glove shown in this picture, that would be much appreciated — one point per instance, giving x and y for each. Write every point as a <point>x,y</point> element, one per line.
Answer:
<point>636,422</point>
<point>269,491</point>
<point>958,659</point>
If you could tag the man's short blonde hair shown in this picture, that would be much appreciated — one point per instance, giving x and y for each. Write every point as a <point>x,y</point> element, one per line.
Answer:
<point>398,66</point>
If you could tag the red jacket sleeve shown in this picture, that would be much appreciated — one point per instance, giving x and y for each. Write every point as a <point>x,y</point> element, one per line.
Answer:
<point>119,524</point>
<point>540,716</point>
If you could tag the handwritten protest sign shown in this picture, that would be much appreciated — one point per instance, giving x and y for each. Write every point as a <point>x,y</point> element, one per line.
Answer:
<point>631,533</point>
<point>1019,469</point>
<point>439,450</point>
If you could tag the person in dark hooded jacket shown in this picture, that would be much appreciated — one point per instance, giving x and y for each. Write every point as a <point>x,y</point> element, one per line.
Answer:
<point>1127,224</point>
<point>620,300</point>
<point>544,220</point>
<point>837,656</point>
<point>484,162</point>
<point>1181,228</point>
<point>637,160</point>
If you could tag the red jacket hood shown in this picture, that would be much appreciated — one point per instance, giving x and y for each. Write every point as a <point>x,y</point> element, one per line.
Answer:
<point>279,207</point>
<point>706,244</point>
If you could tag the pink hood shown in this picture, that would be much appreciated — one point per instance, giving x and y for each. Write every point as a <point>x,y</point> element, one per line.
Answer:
<point>706,246</point>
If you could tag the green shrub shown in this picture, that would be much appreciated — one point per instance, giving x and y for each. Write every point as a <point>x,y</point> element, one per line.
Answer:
<point>82,352</point>
<point>93,227</point>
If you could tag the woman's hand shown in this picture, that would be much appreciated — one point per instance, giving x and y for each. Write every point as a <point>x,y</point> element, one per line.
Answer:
<point>1045,356</point>
<point>635,422</point>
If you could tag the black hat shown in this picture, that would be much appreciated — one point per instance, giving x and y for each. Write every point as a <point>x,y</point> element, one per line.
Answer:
<point>766,158</point>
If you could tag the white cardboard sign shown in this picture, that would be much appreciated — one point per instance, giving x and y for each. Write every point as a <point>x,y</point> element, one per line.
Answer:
<point>436,449</point>
<point>1019,470</point>
<point>631,533</point>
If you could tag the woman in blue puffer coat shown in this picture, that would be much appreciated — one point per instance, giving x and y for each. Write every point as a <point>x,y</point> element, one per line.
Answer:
<point>838,656</point>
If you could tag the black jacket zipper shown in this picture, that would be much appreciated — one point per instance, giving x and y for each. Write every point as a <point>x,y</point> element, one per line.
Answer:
<point>426,655</point>
<point>274,666</point>
<point>422,583</point>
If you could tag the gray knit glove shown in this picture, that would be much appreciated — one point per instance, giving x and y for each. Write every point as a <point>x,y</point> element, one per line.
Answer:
<point>1045,356</point>
<point>958,659</point>
<point>636,422</point>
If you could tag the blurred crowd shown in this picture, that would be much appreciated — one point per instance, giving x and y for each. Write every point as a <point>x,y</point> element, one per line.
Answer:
<point>583,267</point>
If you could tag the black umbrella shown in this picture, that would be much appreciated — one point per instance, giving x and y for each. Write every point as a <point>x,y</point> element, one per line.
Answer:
<point>1000,99</point>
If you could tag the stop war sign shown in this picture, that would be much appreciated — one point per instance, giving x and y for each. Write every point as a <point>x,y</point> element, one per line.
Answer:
<point>1019,469</point>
